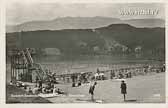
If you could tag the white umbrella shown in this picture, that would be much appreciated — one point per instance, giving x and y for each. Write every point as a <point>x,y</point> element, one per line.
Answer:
<point>101,74</point>
<point>96,75</point>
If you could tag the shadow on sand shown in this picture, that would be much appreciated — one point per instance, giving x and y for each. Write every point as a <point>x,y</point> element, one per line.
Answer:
<point>131,100</point>
<point>89,100</point>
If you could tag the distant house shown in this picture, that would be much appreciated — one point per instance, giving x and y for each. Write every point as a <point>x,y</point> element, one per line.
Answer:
<point>52,51</point>
<point>124,48</point>
<point>82,44</point>
<point>138,49</point>
<point>96,48</point>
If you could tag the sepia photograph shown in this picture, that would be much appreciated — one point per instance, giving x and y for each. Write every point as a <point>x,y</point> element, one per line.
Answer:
<point>85,53</point>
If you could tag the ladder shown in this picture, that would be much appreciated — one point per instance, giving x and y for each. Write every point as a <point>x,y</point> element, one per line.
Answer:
<point>24,57</point>
<point>29,58</point>
<point>37,66</point>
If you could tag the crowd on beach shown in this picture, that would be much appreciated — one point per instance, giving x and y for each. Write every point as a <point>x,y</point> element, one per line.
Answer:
<point>38,88</point>
<point>50,86</point>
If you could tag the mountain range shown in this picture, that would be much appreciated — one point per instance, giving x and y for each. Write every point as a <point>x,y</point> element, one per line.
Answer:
<point>82,23</point>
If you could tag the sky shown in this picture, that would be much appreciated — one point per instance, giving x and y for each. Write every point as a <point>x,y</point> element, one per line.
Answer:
<point>20,12</point>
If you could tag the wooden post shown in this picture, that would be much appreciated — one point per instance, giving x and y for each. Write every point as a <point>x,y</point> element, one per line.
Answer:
<point>11,67</point>
<point>23,69</point>
<point>14,66</point>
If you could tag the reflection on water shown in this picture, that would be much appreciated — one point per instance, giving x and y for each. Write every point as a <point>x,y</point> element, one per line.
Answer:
<point>102,59</point>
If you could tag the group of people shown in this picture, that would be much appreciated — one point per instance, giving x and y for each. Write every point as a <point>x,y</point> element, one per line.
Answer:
<point>125,75</point>
<point>49,88</point>
<point>18,84</point>
<point>45,90</point>
<point>38,88</point>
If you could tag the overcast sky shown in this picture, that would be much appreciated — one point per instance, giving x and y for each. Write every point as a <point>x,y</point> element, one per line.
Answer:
<point>19,12</point>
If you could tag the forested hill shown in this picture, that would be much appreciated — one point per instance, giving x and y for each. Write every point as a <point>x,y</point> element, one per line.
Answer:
<point>112,38</point>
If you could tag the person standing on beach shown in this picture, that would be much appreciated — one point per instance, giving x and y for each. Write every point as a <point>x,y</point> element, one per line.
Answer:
<point>123,88</point>
<point>91,90</point>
